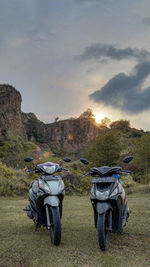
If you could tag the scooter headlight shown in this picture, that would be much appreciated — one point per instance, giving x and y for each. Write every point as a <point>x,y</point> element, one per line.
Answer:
<point>102,195</point>
<point>115,192</point>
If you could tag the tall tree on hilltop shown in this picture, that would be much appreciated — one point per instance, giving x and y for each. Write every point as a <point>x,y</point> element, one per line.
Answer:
<point>88,114</point>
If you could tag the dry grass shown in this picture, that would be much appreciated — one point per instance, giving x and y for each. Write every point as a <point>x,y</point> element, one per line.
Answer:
<point>21,246</point>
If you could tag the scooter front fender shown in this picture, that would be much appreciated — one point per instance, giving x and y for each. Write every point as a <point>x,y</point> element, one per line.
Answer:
<point>53,201</point>
<point>102,207</point>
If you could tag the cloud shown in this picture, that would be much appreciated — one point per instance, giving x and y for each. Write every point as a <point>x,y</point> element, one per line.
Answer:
<point>96,1</point>
<point>126,92</point>
<point>146,20</point>
<point>99,51</point>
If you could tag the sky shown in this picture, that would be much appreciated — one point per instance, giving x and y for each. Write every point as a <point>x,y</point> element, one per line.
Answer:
<point>70,55</point>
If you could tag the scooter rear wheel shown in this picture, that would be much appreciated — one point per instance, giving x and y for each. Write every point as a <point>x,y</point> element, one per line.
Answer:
<point>103,233</point>
<point>55,229</point>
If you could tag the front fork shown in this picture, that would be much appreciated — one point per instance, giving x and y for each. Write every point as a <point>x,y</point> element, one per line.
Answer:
<point>49,224</point>
<point>48,217</point>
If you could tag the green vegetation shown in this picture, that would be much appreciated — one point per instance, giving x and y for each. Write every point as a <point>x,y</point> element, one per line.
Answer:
<point>22,246</point>
<point>104,150</point>
<point>120,125</point>
<point>141,150</point>
<point>13,182</point>
<point>75,182</point>
<point>32,130</point>
<point>13,151</point>
<point>88,114</point>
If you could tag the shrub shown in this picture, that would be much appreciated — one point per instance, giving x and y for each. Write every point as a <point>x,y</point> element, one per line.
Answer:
<point>13,182</point>
<point>13,151</point>
<point>128,181</point>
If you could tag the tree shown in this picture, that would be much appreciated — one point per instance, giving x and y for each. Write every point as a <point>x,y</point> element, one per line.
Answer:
<point>88,114</point>
<point>105,122</point>
<point>104,150</point>
<point>120,125</point>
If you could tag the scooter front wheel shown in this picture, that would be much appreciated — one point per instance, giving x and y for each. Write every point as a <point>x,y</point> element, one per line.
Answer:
<point>55,227</point>
<point>103,233</point>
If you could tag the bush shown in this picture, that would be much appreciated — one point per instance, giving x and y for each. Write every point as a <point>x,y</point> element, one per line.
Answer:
<point>128,181</point>
<point>13,182</point>
<point>13,151</point>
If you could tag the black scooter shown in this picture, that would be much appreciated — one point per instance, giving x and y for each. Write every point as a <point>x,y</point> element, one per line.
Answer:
<point>108,200</point>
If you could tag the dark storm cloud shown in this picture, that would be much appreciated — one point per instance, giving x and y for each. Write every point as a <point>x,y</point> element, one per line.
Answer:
<point>126,92</point>
<point>146,20</point>
<point>98,51</point>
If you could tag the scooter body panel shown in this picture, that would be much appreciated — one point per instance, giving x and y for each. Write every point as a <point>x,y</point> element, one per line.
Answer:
<point>53,201</point>
<point>46,190</point>
<point>115,203</point>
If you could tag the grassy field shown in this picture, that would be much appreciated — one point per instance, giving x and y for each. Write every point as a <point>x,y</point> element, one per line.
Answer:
<point>21,246</point>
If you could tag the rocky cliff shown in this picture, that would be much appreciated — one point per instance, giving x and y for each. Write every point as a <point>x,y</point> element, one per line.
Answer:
<point>10,112</point>
<point>70,135</point>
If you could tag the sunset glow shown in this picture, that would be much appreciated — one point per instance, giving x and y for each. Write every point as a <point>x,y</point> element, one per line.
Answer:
<point>98,117</point>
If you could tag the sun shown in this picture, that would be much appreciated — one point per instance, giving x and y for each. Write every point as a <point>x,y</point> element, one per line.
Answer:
<point>98,117</point>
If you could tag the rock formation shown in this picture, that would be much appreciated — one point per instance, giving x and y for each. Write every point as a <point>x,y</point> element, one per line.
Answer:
<point>10,112</point>
<point>69,135</point>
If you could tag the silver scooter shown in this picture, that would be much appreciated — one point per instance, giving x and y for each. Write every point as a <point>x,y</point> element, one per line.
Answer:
<point>46,197</point>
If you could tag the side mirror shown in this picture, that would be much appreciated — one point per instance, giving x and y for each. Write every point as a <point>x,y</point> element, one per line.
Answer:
<point>66,159</point>
<point>84,161</point>
<point>28,159</point>
<point>127,159</point>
